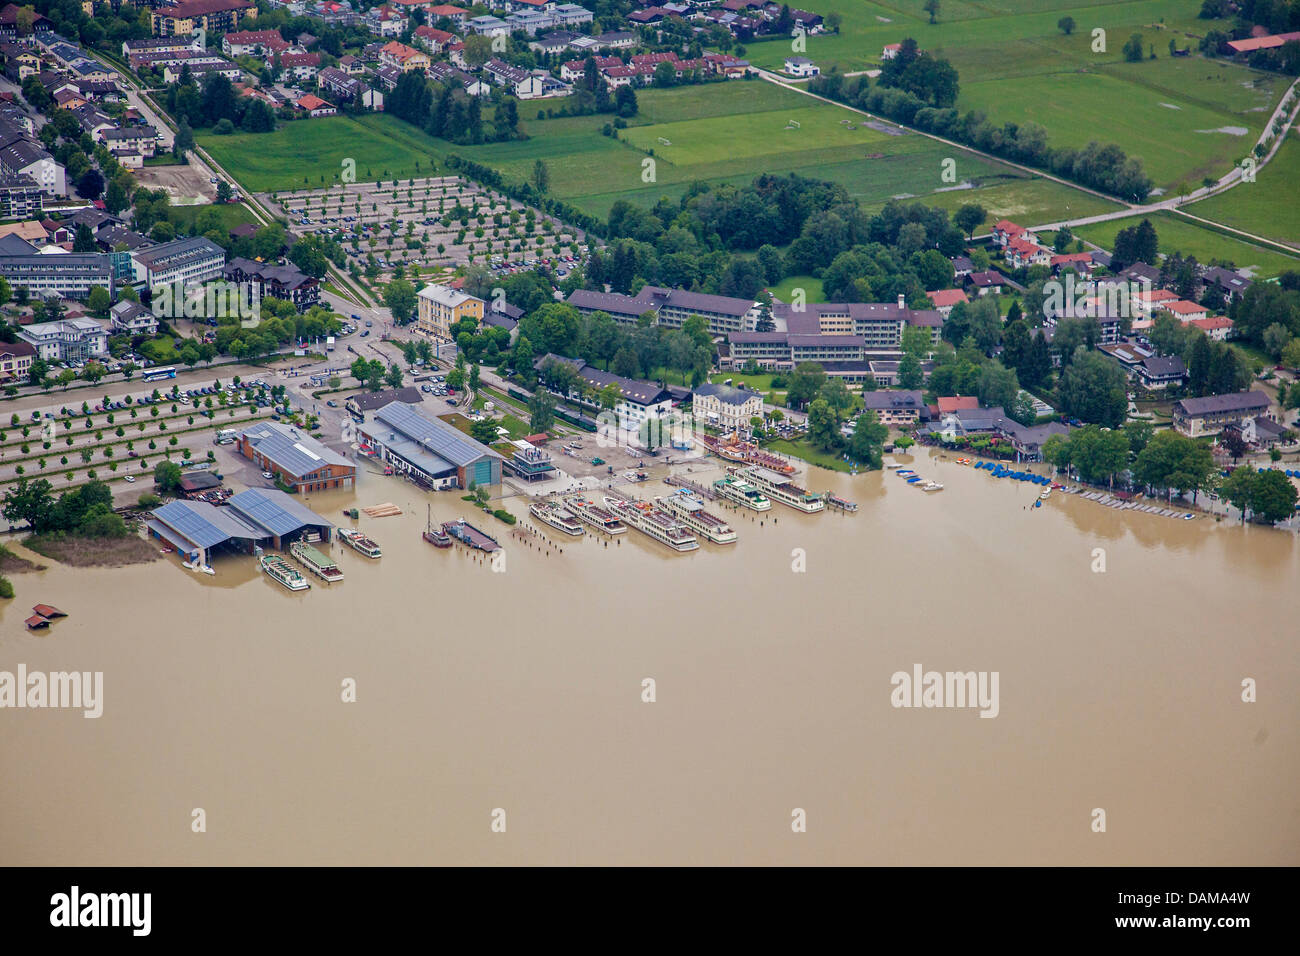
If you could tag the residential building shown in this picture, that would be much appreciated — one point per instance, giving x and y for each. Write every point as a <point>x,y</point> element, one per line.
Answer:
<point>801,66</point>
<point>1217,327</point>
<point>253,43</point>
<point>638,401</point>
<point>68,340</point>
<point>441,307</point>
<point>21,157</point>
<point>20,197</point>
<point>189,16</point>
<point>183,260</point>
<point>131,318</point>
<point>56,276</point>
<point>405,58</point>
<point>945,299</point>
<point>313,105</point>
<point>16,360</point>
<point>275,282</point>
<point>895,409</point>
<point>1208,416</point>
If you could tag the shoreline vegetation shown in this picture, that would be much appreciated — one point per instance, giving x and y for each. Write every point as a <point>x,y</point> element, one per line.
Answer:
<point>87,552</point>
<point>11,563</point>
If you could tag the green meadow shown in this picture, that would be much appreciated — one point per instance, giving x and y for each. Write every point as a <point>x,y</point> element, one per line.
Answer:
<point>1268,207</point>
<point>1186,118</point>
<point>1189,238</point>
<point>726,133</point>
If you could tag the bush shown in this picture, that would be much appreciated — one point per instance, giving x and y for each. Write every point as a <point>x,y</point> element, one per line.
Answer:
<point>505,516</point>
<point>6,588</point>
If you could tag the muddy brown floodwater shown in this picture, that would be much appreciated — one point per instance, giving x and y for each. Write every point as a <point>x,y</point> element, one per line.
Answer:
<point>522,691</point>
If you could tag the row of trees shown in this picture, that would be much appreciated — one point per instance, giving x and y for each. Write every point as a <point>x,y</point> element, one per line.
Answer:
<point>1102,166</point>
<point>86,511</point>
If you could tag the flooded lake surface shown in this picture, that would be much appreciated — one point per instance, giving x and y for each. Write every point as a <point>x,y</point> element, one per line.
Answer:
<point>522,690</point>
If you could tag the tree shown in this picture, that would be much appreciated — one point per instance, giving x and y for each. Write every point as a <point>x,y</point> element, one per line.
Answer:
<point>484,431</point>
<point>1065,25</point>
<point>541,176</point>
<point>167,476</point>
<point>83,240</point>
<point>541,412</point>
<point>805,383</point>
<point>823,425</point>
<point>184,142</point>
<point>910,374</point>
<point>99,301</point>
<point>90,184</point>
<point>399,296</point>
<point>30,503</point>
<point>224,192</point>
<point>969,217</point>
<point>1093,389</point>
<point>1133,49</point>
<point>867,441</point>
<point>393,377</point>
<point>1273,497</point>
<point>932,8</point>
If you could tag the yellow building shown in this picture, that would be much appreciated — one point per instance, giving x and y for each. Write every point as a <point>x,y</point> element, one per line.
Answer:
<point>441,307</point>
<point>214,16</point>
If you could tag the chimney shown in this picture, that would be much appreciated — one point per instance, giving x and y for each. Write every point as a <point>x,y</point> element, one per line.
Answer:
<point>902,301</point>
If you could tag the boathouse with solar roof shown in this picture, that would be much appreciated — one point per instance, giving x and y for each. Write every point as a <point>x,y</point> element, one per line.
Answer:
<point>431,452</point>
<point>297,459</point>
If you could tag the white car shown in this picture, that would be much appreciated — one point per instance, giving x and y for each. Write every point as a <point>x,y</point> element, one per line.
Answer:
<point>267,475</point>
<point>130,479</point>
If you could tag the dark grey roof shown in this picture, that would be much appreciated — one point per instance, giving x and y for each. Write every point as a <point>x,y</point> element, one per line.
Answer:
<point>886,400</point>
<point>655,296</point>
<point>1231,402</point>
<point>727,394</point>
<point>1164,365</point>
<point>368,401</point>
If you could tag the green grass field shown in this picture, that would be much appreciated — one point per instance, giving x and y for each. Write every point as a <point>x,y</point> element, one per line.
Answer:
<point>1267,207</point>
<point>310,153</point>
<point>230,215</point>
<point>722,133</point>
<point>812,289</point>
<point>1187,237</point>
<point>1016,64</point>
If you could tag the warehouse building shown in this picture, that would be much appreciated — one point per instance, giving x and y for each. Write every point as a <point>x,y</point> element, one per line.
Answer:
<point>430,452</point>
<point>279,517</point>
<point>297,459</point>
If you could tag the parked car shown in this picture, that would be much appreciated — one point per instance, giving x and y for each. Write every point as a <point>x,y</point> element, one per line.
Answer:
<point>332,404</point>
<point>268,476</point>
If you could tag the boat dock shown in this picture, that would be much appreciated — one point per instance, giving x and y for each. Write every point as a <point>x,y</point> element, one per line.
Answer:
<point>319,564</point>
<point>840,504</point>
<point>698,488</point>
<point>470,536</point>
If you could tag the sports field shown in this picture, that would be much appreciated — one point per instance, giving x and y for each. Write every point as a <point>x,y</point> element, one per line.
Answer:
<point>1186,118</point>
<point>1191,239</point>
<point>1268,207</point>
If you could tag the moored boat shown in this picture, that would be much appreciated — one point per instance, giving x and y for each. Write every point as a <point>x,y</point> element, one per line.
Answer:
<point>319,564</point>
<point>433,533</point>
<point>657,524</point>
<point>281,571</point>
<point>691,512</point>
<point>776,486</point>
<point>734,488</point>
<point>561,519</point>
<point>587,511</point>
<point>358,542</point>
